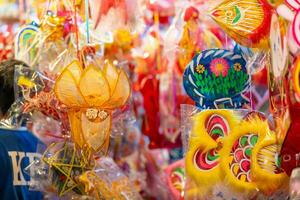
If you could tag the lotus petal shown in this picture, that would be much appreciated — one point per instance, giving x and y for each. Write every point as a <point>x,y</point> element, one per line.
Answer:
<point>66,90</point>
<point>94,87</point>
<point>121,93</point>
<point>76,70</point>
<point>111,74</point>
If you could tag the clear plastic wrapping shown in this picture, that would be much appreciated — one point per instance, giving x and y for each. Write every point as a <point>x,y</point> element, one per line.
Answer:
<point>71,176</point>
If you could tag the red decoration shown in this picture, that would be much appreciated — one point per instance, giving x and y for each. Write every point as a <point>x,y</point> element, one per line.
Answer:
<point>191,12</point>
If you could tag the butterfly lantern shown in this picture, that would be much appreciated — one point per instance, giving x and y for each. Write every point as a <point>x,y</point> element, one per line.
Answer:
<point>91,94</point>
<point>228,147</point>
<point>217,78</point>
<point>247,22</point>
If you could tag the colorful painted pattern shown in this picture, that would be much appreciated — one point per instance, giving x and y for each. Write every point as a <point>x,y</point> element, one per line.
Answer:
<point>235,149</point>
<point>217,78</point>
<point>177,178</point>
<point>247,22</point>
<point>217,128</point>
<point>240,157</point>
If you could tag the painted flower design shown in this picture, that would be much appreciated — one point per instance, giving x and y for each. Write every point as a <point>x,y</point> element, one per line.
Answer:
<point>200,69</point>
<point>237,67</point>
<point>219,66</point>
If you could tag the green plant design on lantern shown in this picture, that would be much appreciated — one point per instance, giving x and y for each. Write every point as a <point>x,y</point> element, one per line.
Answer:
<point>217,78</point>
<point>212,85</point>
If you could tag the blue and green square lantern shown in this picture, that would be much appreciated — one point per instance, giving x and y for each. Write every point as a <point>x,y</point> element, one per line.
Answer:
<point>216,79</point>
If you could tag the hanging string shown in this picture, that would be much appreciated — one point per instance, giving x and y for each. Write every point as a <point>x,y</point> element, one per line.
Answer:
<point>226,42</point>
<point>251,88</point>
<point>251,92</point>
<point>98,11</point>
<point>27,9</point>
<point>87,21</point>
<point>158,57</point>
<point>21,10</point>
<point>48,7</point>
<point>76,30</point>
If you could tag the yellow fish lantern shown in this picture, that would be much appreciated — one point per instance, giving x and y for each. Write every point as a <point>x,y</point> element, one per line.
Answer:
<point>247,22</point>
<point>240,152</point>
<point>250,158</point>
<point>91,94</point>
<point>209,132</point>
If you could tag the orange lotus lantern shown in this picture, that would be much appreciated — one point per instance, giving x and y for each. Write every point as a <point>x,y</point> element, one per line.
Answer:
<point>91,94</point>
